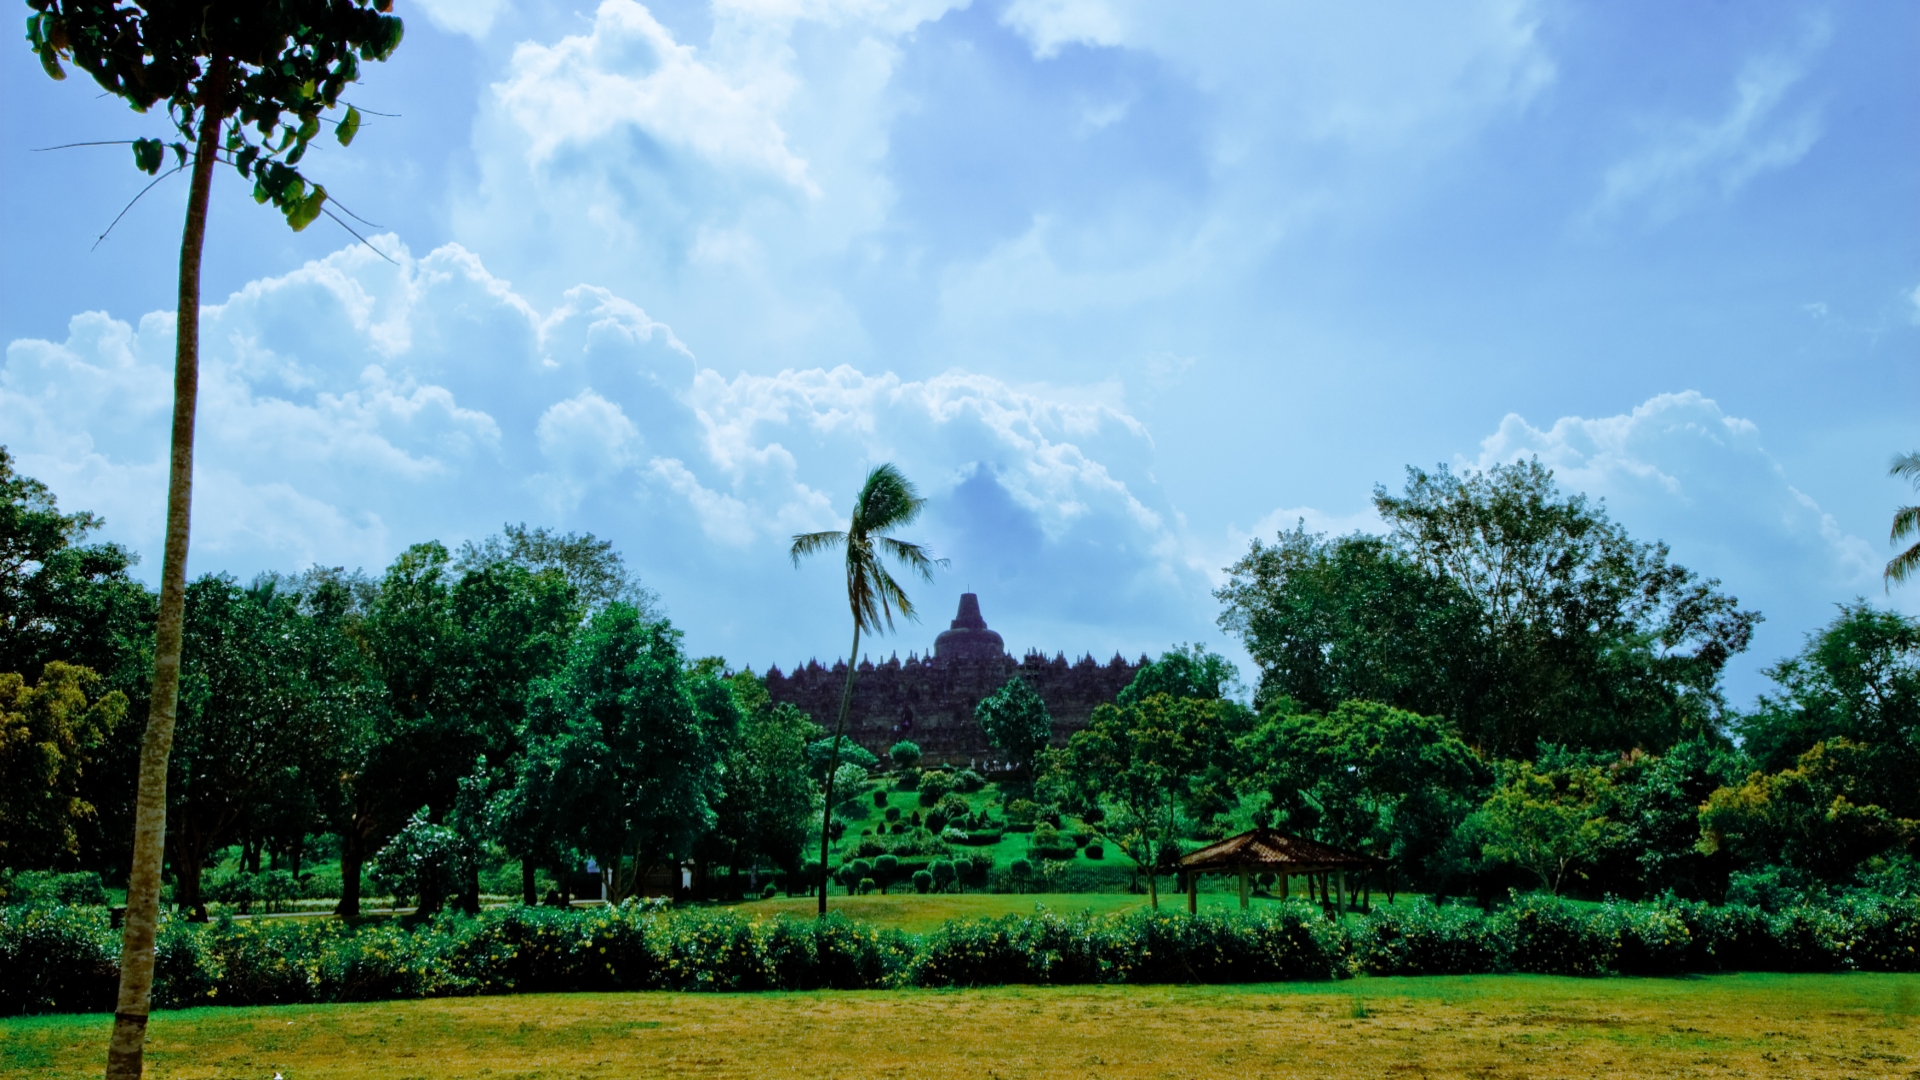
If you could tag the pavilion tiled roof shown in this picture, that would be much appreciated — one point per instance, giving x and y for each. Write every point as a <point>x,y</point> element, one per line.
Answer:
<point>1277,852</point>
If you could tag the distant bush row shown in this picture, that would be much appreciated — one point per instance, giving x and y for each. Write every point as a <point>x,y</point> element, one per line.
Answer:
<point>62,959</point>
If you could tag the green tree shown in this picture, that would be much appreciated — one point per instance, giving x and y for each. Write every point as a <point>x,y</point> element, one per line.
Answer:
<point>1821,815</point>
<point>1349,619</point>
<point>1184,671</point>
<point>64,599</point>
<point>767,801</point>
<point>219,69</point>
<point>597,572</point>
<point>1906,523</point>
<point>1517,612</point>
<point>639,741</point>
<point>1364,776</point>
<point>1549,822</point>
<point>265,689</point>
<point>887,501</point>
<point>1141,761</point>
<point>1858,680</point>
<point>1016,722</point>
<point>61,598</point>
<point>48,733</point>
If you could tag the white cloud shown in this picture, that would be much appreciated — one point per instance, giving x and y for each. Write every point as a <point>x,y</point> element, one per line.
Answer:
<point>352,407</point>
<point>1915,300</point>
<point>1686,161</point>
<point>470,17</point>
<point>629,72</point>
<point>1678,468</point>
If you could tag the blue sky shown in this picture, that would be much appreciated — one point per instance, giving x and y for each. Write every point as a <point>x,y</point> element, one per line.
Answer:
<point>1121,285</point>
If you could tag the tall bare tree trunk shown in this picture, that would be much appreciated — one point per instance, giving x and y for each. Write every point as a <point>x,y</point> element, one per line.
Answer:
<point>833,761</point>
<point>127,1049</point>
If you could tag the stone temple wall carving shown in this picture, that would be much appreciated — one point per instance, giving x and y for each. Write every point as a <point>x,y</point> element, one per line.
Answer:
<point>931,700</point>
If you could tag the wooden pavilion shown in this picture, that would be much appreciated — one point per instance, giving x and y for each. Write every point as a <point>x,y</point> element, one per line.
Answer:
<point>1269,851</point>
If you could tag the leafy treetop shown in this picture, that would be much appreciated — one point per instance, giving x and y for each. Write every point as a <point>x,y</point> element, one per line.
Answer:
<point>275,65</point>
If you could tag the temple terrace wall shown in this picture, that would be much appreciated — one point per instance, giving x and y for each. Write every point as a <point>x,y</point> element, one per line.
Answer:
<point>931,700</point>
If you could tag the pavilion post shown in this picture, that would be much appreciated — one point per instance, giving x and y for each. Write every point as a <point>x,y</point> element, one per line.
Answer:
<point>1243,888</point>
<point>1193,892</point>
<point>1284,878</point>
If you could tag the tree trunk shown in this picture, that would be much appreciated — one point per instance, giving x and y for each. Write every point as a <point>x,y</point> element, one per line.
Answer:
<point>1153,889</point>
<point>126,1051</point>
<point>353,857</point>
<point>833,763</point>
<point>528,883</point>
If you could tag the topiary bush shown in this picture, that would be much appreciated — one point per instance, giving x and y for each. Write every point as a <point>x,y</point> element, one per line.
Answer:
<point>934,786</point>
<point>923,881</point>
<point>1095,850</point>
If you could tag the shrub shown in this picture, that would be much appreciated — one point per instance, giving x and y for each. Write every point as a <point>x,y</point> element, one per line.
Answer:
<point>893,812</point>
<point>866,885</point>
<point>1653,940</point>
<point>769,892</point>
<point>885,869</point>
<point>1047,843</point>
<point>1422,939</point>
<point>48,887</point>
<point>1021,814</point>
<point>56,959</point>
<point>943,873</point>
<point>934,786</point>
<point>1554,937</point>
<point>968,781</point>
<point>880,799</point>
<point>923,881</point>
<point>905,754</point>
<point>1095,850</point>
<point>950,810</point>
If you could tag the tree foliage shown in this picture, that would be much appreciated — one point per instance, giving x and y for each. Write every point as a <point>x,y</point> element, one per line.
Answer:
<point>638,740</point>
<point>276,69</point>
<point>1515,611</point>
<point>49,731</point>
<point>1365,776</point>
<point>1016,721</point>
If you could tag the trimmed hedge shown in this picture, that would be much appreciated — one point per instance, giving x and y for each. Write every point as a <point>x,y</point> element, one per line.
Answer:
<point>63,959</point>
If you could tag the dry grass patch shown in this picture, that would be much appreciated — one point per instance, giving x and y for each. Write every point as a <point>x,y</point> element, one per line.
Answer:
<point>1743,1025</point>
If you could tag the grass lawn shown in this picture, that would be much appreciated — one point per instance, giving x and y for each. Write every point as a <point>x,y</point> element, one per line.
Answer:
<point>1740,1025</point>
<point>919,914</point>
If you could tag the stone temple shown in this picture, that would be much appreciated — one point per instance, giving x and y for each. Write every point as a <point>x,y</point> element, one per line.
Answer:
<point>931,700</point>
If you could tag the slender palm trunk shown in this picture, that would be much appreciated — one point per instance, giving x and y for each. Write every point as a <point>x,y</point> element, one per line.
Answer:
<point>126,1050</point>
<point>833,763</point>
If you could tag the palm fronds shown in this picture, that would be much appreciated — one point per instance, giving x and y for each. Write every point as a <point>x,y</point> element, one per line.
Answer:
<point>1906,523</point>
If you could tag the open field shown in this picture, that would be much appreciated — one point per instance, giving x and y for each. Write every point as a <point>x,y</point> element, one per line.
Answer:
<point>1741,1025</point>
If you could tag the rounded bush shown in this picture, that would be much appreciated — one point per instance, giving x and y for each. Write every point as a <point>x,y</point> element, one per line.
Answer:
<point>922,881</point>
<point>1095,850</point>
<point>893,812</point>
<point>880,799</point>
<point>867,885</point>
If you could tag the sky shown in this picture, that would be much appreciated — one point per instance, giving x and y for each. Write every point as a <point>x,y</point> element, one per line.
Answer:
<point>1120,285</point>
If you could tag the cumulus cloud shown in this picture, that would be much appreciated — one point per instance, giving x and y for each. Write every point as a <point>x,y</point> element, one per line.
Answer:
<point>1679,468</point>
<point>630,73</point>
<point>474,18</point>
<point>1685,161</point>
<point>352,407</point>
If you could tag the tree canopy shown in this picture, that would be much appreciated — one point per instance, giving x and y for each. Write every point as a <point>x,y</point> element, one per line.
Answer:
<point>1517,612</point>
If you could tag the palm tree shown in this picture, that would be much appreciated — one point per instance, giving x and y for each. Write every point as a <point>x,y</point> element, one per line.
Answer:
<point>887,501</point>
<point>1906,521</point>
